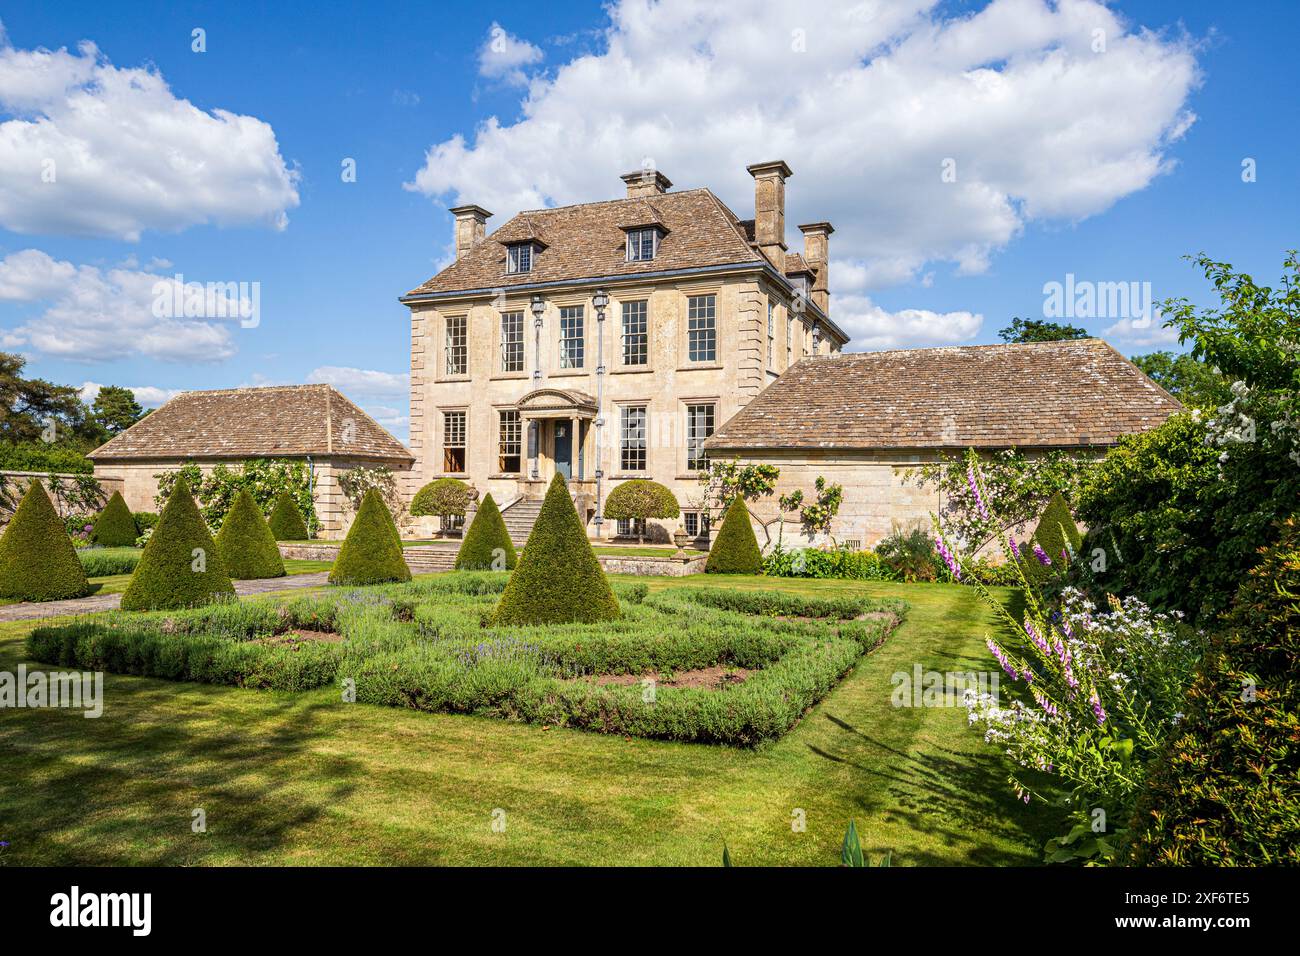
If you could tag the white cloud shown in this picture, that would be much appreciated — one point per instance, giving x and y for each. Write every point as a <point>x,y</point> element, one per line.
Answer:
<point>872,327</point>
<point>125,153</point>
<point>147,395</point>
<point>1151,334</point>
<point>503,56</point>
<point>866,102</point>
<point>367,383</point>
<point>94,315</point>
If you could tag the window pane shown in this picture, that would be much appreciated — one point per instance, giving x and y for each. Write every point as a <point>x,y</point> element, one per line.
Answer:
<point>571,338</point>
<point>509,443</point>
<point>640,245</point>
<point>699,426</point>
<point>457,354</point>
<point>632,438</point>
<point>520,258</point>
<point>636,338</point>
<point>453,442</point>
<point>701,332</point>
<point>512,341</point>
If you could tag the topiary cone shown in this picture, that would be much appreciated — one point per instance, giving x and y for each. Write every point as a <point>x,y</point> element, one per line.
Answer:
<point>115,526</point>
<point>37,559</point>
<point>735,550</point>
<point>1056,532</point>
<point>487,545</point>
<point>286,522</point>
<point>559,579</point>
<point>372,550</point>
<point>181,565</point>
<point>246,543</point>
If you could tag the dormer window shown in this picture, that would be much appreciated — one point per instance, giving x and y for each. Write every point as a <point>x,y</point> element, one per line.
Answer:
<point>642,244</point>
<point>519,258</point>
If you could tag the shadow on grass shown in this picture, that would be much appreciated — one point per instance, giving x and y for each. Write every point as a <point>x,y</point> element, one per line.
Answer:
<point>123,788</point>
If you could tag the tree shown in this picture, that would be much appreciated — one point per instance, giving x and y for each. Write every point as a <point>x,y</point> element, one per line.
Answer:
<point>1040,330</point>
<point>1191,381</point>
<point>246,543</point>
<point>37,560</point>
<point>286,520</point>
<point>181,565</point>
<point>487,545</point>
<point>115,526</point>
<point>372,551</point>
<point>559,579</point>
<point>735,550</point>
<point>34,409</point>
<point>115,409</point>
<point>639,500</point>
<point>446,498</point>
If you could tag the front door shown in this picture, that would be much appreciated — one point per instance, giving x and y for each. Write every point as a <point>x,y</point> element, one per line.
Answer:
<point>564,449</point>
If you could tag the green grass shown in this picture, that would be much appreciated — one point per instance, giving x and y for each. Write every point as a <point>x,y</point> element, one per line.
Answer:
<point>307,779</point>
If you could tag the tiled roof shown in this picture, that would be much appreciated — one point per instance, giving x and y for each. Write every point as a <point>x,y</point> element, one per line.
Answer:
<point>1041,394</point>
<point>280,421</point>
<point>586,240</point>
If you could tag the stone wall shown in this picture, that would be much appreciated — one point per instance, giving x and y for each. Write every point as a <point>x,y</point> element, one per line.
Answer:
<point>23,479</point>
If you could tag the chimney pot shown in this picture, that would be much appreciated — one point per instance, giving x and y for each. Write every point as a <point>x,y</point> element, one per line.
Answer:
<point>471,227</point>
<point>769,208</point>
<point>816,250</point>
<point>646,182</point>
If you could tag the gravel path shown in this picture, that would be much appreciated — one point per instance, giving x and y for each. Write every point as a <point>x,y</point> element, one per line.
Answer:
<point>109,602</point>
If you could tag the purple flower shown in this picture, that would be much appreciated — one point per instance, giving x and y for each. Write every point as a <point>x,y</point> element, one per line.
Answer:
<point>1014,549</point>
<point>1038,641</point>
<point>948,557</point>
<point>1098,711</point>
<point>1041,555</point>
<point>975,490</point>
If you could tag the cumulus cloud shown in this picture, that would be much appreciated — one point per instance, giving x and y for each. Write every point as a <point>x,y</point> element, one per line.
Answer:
<point>91,149</point>
<point>925,136</point>
<point>89,314</point>
<point>1143,333</point>
<point>367,383</point>
<point>503,56</point>
<point>873,327</point>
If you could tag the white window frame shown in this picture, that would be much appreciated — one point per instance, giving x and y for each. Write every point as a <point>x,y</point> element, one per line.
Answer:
<point>702,328</point>
<point>512,340</point>
<point>573,347</point>
<point>519,258</point>
<point>455,437</point>
<point>636,244</point>
<point>642,309</point>
<point>630,441</point>
<point>456,345</point>
<point>698,432</point>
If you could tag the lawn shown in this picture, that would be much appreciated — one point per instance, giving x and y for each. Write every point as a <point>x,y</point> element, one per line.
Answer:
<point>293,778</point>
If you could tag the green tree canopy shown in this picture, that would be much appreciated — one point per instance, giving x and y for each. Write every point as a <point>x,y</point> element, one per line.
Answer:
<point>1040,330</point>
<point>115,408</point>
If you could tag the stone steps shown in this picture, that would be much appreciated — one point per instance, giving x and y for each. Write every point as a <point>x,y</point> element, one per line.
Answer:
<point>520,518</point>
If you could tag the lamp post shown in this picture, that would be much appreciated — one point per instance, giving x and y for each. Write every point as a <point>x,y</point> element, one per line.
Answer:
<point>600,301</point>
<point>534,435</point>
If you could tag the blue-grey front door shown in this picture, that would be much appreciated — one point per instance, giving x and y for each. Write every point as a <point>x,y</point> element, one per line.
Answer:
<point>564,449</point>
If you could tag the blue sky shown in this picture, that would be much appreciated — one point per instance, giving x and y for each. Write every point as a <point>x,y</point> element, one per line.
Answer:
<point>1109,167</point>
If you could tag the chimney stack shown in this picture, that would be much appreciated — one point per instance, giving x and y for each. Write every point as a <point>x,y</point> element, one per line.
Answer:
<point>643,183</point>
<point>816,250</point>
<point>769,208</point>
<point>471,227</point>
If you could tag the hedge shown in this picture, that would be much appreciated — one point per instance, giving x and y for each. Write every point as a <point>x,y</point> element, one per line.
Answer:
<point>372,551</point>
<point>102,562</point>
<point>246,543</point>
<point>1226,789</point>
<point>181,565</point>
<point>487,543</point>
<point>115,527</point>
<point>735,550</point>
<point>286,521</point>
<point>37,559</point>
<point>559,578</point>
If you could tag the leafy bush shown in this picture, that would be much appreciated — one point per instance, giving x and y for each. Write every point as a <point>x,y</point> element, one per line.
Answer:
<point>372,551</point>
<point>822,563</point>
<point>1223,792</point>
<point>44,457</point>
<point>79,527</point>
<point>145,520</point>
<point>265,479</point>
<point>102,562</point>
<point>115,526</point>
<point>487,543</point>
<point>286,520</point>
<point>639,500</point>
<point>910,556</point>
<point>246,543</point>
<point>444,498</point>
<point>735,549</point>
<point>559,578</point>
<point>37,560</point>
<point>181,565</point>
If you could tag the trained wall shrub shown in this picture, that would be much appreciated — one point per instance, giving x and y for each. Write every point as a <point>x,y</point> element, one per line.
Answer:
<point>487,543</point>
<point>286,521</point>
<point>559,577</point>
<point>115,526</point>
<point>181,565</point>
<point>37,559</point>
<point>735,550</point>
<point>246,543</point>
<point>372,551</point>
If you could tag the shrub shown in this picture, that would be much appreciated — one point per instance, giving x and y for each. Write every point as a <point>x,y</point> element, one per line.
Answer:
<point>823,563</point>
<point>911,556</point>
<point>43,456</point>
<point>79,527</point>
<point>246,543</point>
<point>559,578</point>
<point>145,520</point>
<point>640,499</point>
<point>37,560</point>
<point>735,550</point>
<point>115,527</point>
<point>487,538</point>
<point>181,565</point>
<point>372,551</point>
<point>102,562</point>
<point>1057,537</point>
<point>286,520</point>
<point>1223,792</point>
<point>445,498</point>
